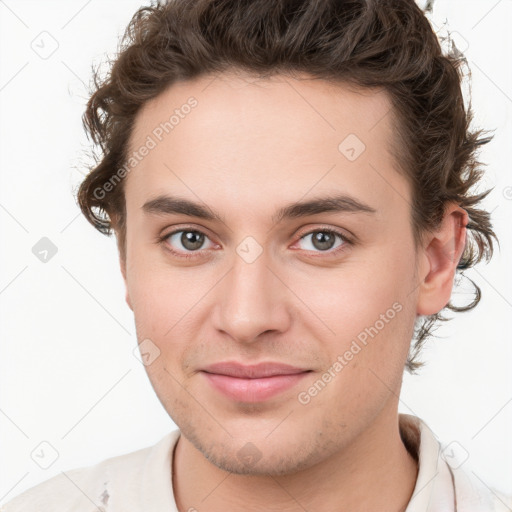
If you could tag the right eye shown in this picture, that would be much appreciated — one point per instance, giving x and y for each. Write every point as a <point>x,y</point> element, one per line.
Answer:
<point>190,240</point>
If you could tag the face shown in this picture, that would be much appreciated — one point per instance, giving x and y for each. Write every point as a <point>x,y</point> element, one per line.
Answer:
<point>228,292</point>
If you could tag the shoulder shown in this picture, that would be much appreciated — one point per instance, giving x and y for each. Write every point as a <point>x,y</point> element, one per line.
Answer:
<point>92,487</point>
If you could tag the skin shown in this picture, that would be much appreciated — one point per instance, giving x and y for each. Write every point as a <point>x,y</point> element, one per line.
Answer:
<point>248,148</point>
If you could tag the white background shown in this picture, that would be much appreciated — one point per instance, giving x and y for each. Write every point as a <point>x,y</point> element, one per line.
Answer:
<point>68,373</point>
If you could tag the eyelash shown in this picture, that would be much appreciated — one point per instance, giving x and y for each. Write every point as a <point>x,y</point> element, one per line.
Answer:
<point>346,241</point>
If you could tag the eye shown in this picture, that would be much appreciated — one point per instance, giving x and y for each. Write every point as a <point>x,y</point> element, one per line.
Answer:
<point>181,241</point>
<point>324,240</point>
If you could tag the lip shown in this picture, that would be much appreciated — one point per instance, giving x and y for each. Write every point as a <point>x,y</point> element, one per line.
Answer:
<point>253,383</point>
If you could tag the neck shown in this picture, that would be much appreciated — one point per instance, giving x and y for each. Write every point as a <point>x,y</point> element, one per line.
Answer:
<point>374,473</point>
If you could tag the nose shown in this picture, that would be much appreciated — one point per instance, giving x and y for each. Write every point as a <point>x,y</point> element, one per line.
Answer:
<point>252,301</point>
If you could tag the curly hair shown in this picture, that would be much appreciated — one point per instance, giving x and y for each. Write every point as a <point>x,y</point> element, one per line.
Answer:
<point>385,44</point>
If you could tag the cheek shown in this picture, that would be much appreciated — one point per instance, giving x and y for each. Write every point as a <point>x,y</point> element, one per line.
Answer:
<point>341,302</point>
<point>159,293</point>
<point>160,306</point>
<point>363,316</point>
<point>169,309</point>
<point>156,301</point>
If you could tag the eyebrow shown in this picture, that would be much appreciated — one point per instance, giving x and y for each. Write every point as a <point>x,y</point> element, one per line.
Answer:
<point>168,205</point>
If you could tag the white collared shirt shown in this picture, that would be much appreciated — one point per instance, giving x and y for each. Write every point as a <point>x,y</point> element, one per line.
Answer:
<point>141,481</point>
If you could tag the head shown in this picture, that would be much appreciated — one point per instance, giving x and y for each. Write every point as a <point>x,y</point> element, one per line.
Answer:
<point>348,108</point>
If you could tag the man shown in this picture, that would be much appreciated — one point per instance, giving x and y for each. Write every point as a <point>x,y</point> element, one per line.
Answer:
<point>290,188</point>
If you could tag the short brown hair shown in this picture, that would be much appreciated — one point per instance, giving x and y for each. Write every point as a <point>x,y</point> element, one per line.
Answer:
<point>385,44</point>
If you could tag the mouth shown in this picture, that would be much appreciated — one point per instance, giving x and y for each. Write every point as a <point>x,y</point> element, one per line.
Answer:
<point>253,383</point>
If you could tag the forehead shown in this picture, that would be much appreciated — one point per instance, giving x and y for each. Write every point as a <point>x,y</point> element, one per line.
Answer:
<point>239,140</point>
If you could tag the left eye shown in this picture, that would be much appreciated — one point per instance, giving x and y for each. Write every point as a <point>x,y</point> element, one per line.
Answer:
<point>323,240</point>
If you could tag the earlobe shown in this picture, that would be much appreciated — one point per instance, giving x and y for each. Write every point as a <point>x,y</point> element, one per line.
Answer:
<point>441,255</point>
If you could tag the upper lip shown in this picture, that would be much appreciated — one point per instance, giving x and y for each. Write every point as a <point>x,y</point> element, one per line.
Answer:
<point>253,371</point>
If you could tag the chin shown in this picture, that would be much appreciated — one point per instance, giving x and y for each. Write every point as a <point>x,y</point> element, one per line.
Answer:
<point>251,461</point>
<point>274,455</point>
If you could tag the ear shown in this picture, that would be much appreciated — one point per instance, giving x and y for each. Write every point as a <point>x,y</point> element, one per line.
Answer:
<point>440,255</point>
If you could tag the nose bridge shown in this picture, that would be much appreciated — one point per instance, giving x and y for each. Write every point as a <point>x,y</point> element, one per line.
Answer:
<point>251,301</point>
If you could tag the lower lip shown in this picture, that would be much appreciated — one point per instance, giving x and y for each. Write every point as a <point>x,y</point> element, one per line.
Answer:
<point>253,390</point>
